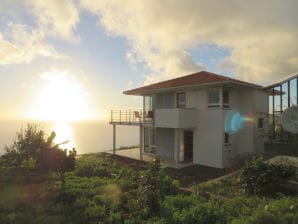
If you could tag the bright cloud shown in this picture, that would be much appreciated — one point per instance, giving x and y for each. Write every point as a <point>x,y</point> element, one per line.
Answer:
<point>20,44</point>
<point>261,35</point>
<point>57,18</point>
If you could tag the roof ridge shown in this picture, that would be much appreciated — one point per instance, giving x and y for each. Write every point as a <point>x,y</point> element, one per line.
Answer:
<point>180,77</point>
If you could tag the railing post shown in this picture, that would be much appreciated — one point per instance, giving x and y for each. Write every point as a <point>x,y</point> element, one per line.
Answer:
<point>111,116</point>
<point>120,116</point>
<point>114,138</point>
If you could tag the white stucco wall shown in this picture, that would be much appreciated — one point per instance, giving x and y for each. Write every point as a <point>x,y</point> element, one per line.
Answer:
<point>251,104</point>
<point>208,127</point>
<point>208,134</point>
<point>175,117</point>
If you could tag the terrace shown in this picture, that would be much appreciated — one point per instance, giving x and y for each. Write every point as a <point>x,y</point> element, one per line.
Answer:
<point>131,117</point>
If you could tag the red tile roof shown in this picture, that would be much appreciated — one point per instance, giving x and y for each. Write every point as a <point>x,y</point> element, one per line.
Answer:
<point>199,78</point>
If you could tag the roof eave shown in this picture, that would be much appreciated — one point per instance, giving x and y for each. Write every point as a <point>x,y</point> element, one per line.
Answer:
<point>147,92</point>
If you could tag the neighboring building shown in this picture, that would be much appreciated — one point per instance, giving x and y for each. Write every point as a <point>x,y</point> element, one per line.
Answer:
<point>203,118</point>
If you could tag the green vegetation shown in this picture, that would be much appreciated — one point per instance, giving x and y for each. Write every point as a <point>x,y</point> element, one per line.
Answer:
<point>260,177</point>
<point>102,189</point>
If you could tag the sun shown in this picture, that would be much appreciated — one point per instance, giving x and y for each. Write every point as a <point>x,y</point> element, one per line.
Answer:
<point>61,99</point>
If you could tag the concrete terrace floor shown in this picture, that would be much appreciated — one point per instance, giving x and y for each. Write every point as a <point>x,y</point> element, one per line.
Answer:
<point>133,153</point>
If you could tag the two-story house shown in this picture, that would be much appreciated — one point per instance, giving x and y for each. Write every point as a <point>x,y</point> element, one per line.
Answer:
<point>202,118</point>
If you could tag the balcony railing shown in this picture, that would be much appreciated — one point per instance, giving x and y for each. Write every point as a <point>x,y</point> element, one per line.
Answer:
<point>131,116</point>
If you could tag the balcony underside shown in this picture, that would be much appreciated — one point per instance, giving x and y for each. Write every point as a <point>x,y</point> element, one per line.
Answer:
<point>132,123</point>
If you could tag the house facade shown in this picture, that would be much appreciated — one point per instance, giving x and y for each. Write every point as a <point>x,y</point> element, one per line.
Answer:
<point>202,118</point>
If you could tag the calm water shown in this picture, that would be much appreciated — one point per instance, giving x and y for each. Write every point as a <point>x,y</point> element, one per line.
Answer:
<point>86,137</point>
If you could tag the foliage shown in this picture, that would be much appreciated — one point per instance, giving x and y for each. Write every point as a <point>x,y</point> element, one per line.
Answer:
<point>191,209</point>
<point>259,177</point>
<point>32,151</point>
<point>100,190</point>
<point>28,141</point>
<point>154,185</point>
<point>279,211</point>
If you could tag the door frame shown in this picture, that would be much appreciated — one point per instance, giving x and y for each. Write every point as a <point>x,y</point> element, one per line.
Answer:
<point>185,157</point>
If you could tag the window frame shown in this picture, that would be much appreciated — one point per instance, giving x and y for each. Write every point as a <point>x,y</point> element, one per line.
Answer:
<point>227,138</point>
<point>178,103</point>
<point>213,105</point>
<point>225,104</point>
<point>260,119</point>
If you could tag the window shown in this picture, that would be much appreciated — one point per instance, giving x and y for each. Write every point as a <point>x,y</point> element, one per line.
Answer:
<point>213,98</point>
<point>260,123</point>
<point>225,99</point>
<point>227,138</point>
<point>181,100</point>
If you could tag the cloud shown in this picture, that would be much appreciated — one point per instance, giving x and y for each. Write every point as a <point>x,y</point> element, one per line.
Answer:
<point>261,35</point>
<point>20,44</point>
<point>57,18</point>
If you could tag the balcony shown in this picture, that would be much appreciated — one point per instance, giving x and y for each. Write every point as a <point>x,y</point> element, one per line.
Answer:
<point>131,117</point>
<point>175,118</point>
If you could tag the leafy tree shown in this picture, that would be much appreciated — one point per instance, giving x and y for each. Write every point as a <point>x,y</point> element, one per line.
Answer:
<point>28,141</point>
<point>149,187</point>
<point>46,156</point>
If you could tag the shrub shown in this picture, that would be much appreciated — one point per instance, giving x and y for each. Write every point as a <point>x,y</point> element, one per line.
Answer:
<point>191,209</point>
<point>280,211</point>
<point>259,177</point>
<point>154,185</point>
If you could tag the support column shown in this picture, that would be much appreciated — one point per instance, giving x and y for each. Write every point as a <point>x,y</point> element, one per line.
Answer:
<point>176,147</point>
<point>273,112</point>
<point>114,138</point>
<point>141,142</point>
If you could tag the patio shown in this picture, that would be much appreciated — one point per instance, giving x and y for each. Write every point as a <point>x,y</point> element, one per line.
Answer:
<point>134,153</point>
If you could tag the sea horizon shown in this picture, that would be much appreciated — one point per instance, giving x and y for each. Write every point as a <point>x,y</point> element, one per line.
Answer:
<point>88,136</point>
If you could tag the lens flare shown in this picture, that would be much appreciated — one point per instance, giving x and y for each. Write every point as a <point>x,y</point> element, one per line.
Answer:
<point>235,121</point>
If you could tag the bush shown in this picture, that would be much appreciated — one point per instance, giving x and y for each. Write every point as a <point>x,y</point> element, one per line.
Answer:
<point>259,177</point>
<point>280,211</point>
<point>191,209</point>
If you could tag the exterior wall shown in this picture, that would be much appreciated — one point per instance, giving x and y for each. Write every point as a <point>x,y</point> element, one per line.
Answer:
<point>164,143</point>
<point>208,134</point>
<point>261,106</point>
<point>209,126</point>
<point>251,104</point>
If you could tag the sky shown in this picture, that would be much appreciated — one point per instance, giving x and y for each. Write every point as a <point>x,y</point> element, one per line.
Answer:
<point>73,59</point>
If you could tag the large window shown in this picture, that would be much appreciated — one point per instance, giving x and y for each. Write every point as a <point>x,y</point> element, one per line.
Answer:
<point>213,98</point>
<point>181,100</point>
<point>149,140</point>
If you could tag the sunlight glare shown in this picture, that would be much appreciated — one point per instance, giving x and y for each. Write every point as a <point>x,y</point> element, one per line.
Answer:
<point>61,99</point>
<point>64,133</point>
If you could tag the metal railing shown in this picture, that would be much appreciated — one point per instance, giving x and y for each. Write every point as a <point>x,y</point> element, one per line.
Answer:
<point>131,116</point>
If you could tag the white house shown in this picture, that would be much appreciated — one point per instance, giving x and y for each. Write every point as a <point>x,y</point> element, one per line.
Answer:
<point>202,118</point>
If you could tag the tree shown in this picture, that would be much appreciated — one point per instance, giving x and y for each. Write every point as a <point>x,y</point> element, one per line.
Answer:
<point>28,141</point>
<point>53,159</point>
<point>46,156</point>
<point>149,188</point>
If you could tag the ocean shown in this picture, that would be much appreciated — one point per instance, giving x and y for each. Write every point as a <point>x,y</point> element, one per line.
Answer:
<point>85,137</point>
